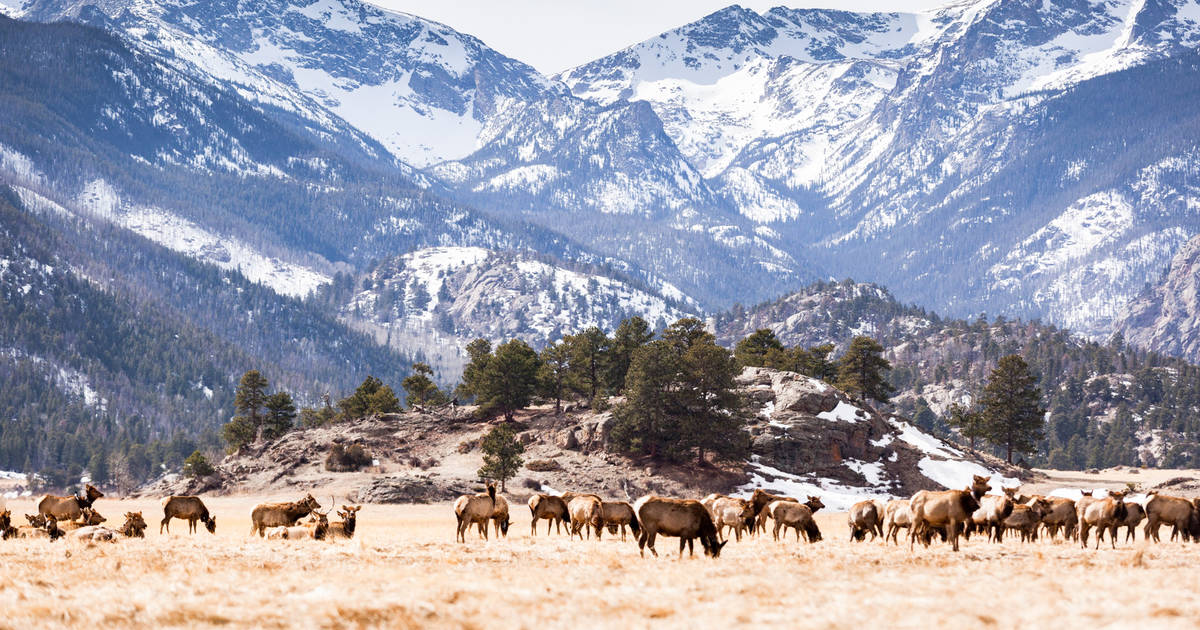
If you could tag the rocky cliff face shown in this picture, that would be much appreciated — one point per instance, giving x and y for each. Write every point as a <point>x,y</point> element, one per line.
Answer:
<point>1167,317</point>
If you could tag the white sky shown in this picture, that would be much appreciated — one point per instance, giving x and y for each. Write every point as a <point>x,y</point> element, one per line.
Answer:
<point>554,35</point>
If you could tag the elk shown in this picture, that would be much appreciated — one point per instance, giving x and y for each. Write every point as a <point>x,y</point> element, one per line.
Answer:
<point>1026,518</point>
<point>896,515</point>
<point>188,508</point>
<point>619,514</point>
<point>90,518</point>
<point>796,515</point>
<point>267,515</point>
<point>550,508</point>
<point>474,509</point>
<point>1173,511</point>
<point>736,514</point>
<point>947,509</point>
<point>6,527</point>
<point>760,500</point>
<point>685,518</point>
<point>316,528</point>
<point>1061,515</point>
<point>1107,513</point>
<point>865,517</point>
<point>68,508</point>
<point>500,517</point>
<point>586,510</point>
<point>135,525</point>
<point>344,529</point>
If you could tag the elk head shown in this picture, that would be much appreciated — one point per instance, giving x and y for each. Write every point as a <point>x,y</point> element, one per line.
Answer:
<point>814,504</point>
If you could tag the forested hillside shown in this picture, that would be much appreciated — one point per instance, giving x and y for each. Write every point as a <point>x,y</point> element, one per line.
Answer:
<point>1109,403</point>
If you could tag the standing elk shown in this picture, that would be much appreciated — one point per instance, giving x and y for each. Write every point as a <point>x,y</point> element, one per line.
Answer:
<point>796,515</point>
<point>68,508</point>
<point>736,514</point>
<point>267,515</point>
<point>896,515</point>
<point>1062,515</point>
<point>474,509</point>
<point>619,515</point>
<point>1107,513</point>
<point>993,509</point>
<point>1179,513</point>
<point>946,509</point>
<point>1027,518</point>
<point>687,519</point>
<point>865,517</point>
<point>586,511</point>
<point>188,508</point>
<point>500,517</point>
<point>550,508</point>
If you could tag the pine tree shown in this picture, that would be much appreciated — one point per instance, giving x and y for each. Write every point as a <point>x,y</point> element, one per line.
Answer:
<point>501,454</point>
<point>555,373</point>
<point>760,349</point>
<point>813,361</point>
<point>479,352</point>
<point>419,388</point>
<point>196,465</point>
<point>1013,417</point>
<point>509,380</point>
<point>860,370</point>
<point>372,396</point>
<point>589,361</point>
<point>633,333</point>
<point>969,422</point>
<point>280,415</point>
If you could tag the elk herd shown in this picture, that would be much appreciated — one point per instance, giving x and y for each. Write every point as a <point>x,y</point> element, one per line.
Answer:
<point>929,516</point>
<point>75,517</point>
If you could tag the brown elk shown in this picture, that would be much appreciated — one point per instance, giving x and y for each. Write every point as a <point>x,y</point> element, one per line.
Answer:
<point>500,516</point>
<point>865,517</point>
<point>896,515</point>
<point>687,519</point>
<point>736,514</point>
<point>188,508</point>
<point>619,515</point>
<point>550,508</point>
<point>798,516</point>
<point>1173,511</point>
<point>586,511</point>
<point>1027,518</point>
<point>474,509</point>
<point>316,528</point>
<point>946,509</point>
<point>1061,516</point>
<point>1107,513</point>
<point>344,529</point>
<point>135,525</point>
<point>68,508</point>
<point>286,514</point>
<point>89,518</point>
<point>993,509</point>
<point>46,527</point>
<point>6,527</point>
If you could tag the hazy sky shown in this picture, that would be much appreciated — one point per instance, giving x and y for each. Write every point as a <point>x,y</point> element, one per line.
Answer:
<point>553,35</point>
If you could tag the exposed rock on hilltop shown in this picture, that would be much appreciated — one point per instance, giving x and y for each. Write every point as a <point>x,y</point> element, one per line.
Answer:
<point>808,438</point>
<point>1167,317</point>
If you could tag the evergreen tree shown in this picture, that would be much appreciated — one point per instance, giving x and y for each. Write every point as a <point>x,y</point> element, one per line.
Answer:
<point>251,396</point>
<point>508,381</point>
<point>196,465</point>
<point>969,422</point>
<point>760,349</point>
<point>371,397</point>
<point>589,361</point>
<point>554,373</point>
<point>501,454</point>
<point>419,388</point>
<point>1013,417</point>
<point>280,415</point>
<point>813,361</point>
<point>633,333</point>
<point>861,369</point>
<point>479,353</point>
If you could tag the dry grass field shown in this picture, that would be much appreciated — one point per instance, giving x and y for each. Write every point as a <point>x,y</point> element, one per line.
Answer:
<point>405,570</point>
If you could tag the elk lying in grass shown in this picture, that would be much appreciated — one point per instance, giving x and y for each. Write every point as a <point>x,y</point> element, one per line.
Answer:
<point>865,517</point>
<point>315,528</point>
<point>549,508</point>
<point>6,527</point>
<point>797,516</point>
<point>619,515</point>
<point>68,508</point>
<point>685,518</point>
<point>267,515</point>
<point>586,512</point>
<point>89,517</point>
<point>344,529</point>
<point>474,509</point>
<point>188,508</point>
<point>1107,513</point>
<point>947,510</point>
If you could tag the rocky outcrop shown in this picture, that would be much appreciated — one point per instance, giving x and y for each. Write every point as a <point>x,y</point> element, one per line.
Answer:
<point>1167,317</point>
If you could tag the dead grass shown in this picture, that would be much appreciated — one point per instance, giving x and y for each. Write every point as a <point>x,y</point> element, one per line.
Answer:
<point>405,571</point>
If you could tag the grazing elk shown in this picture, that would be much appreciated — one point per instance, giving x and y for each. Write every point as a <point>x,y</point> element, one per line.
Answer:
<point>550,508</point>
<point>286,514</point>
<point>1027,518</point>
<point>586,511</point>
<point>798,516</point>
<point>619,515</point>
<point>687,519</point>
<point>736,514</point>
<point>344,529</point>
<point>1107,513</point>
<point>1174,511</point>
<point>68,508</point>
<point>188,508</point>
<point>474,509</point>
<point>865,517</point>
<point>500,517</point>
<point>946,509</point>
<point>993,509</point>
<point>1061,516</point>
<point>896,515</point>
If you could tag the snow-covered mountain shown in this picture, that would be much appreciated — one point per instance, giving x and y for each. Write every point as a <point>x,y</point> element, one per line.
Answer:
<point>436,300</point>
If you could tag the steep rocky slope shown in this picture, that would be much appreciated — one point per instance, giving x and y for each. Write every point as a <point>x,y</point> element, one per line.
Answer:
<point>1166,318</point>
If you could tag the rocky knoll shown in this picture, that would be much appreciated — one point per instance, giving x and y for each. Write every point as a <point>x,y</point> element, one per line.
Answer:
<point>807,438</point>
